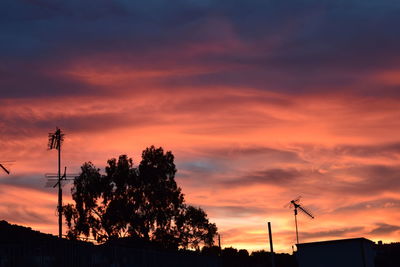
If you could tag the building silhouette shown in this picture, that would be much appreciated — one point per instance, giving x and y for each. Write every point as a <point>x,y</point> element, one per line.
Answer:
<point>22,246</point>
<point>354,252</point>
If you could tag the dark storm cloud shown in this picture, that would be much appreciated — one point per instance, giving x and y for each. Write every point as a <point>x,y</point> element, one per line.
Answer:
<point>320,45</point>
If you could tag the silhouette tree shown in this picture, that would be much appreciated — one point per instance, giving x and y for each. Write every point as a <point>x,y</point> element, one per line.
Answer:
<point>194,228</point>
<point>142,202</point>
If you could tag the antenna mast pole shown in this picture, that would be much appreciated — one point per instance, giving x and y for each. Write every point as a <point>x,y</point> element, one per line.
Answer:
<point>55,141</point>
<point>58,133</point>
<point>295,220</point>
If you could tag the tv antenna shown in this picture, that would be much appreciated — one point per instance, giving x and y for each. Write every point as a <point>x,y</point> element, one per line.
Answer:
<point>3,167</point>
<point>55,141</point>
<point>295,203</point>
<point>53,181</point>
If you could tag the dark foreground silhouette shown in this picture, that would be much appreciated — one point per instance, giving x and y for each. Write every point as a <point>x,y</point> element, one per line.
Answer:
<point>387,255</point>
<point>22,246</point>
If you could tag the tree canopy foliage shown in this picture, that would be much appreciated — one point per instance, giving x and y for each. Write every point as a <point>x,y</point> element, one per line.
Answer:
<point>143,202</point>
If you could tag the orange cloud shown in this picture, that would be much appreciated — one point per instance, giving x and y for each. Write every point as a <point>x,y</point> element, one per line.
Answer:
<point>242,154</point>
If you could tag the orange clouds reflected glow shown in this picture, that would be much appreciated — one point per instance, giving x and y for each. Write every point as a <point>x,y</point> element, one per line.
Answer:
<point>241,154</point>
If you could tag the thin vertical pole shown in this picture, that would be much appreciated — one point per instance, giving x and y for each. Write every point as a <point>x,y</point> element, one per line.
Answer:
<point>59,186</point>
<point>295,220</point>
<point>271,245</point>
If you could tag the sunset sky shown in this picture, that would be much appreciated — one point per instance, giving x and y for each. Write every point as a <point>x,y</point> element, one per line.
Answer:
<point>259,101</point>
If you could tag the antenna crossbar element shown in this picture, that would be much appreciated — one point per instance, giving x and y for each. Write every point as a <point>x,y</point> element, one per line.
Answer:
<point>55,139</point>
<point>54,183</point>
<point>306,211</point>
<point>4,169</point>
<point>53,180</point>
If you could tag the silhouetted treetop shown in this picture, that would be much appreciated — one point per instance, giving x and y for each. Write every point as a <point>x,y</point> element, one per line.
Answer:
<point>142,202</point>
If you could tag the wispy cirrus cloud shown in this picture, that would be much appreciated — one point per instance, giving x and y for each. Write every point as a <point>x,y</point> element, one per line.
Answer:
<point>377,204</point>
<point>335,233</point>
<point>383,228</point>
